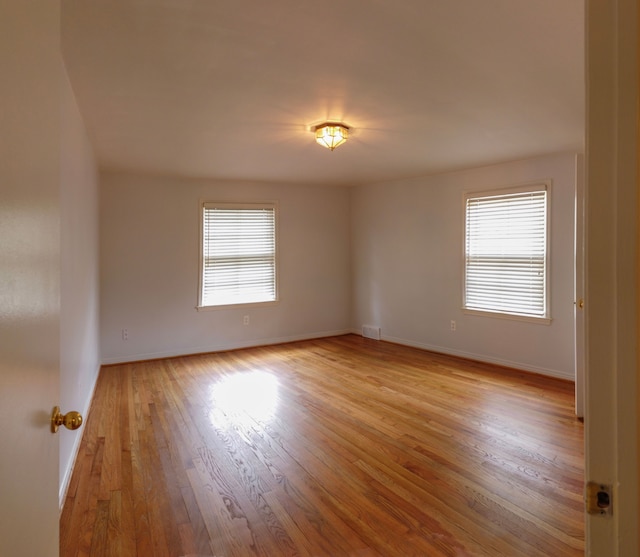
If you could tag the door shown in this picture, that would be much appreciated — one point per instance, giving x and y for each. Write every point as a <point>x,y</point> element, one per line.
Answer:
<point>29,275</point>
<point>579,328</point>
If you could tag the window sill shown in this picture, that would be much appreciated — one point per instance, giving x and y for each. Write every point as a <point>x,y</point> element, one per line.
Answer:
<point>246,305</point>
<point>509,316</point>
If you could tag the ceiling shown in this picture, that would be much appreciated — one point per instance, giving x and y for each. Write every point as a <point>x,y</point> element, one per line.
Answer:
<point>230,89</point>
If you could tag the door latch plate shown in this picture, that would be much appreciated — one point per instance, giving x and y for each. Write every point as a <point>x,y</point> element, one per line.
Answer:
<point>599,499</point>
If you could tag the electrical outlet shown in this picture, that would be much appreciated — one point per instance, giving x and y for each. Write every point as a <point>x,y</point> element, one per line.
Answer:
<point>245,320</point>
<point>453,325</point>
<point>125,334</point>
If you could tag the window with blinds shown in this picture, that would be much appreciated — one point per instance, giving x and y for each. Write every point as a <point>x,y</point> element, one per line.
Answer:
<point>506,252</point>
<point>238,256</point>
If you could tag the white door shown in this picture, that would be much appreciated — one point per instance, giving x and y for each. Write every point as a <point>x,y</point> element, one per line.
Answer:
<point>29,275</point>
<point>579,326</point>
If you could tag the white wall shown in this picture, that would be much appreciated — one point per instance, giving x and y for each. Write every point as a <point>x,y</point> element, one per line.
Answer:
<point>149,267</point>
<point>407,267</point>
<point>79,281</point>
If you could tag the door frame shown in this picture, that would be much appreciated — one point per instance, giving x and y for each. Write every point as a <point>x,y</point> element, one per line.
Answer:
<point>611,425</point>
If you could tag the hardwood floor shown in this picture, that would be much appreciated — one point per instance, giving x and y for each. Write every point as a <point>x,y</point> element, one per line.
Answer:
<point>334,447</point>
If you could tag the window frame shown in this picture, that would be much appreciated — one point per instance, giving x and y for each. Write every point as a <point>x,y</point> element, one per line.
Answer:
<point>543,185</point>
<point>203,205</point>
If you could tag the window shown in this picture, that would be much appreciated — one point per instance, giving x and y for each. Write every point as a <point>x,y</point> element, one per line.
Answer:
<point>506,252</point>
<point>238,255</point>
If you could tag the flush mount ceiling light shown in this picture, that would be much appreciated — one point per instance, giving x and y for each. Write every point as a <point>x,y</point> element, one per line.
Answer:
<point>331,134</point>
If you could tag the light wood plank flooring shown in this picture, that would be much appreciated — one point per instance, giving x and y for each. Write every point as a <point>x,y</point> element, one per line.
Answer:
<point>334,447</point>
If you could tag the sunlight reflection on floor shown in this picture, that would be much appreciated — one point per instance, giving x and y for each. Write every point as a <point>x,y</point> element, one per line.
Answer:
<point>242,398</point>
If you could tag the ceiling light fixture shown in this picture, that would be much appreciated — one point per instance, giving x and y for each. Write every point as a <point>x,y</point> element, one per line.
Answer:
<point>331,134</point>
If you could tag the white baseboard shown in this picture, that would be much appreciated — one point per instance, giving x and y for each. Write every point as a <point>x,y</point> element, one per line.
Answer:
<point>477,357</point>
<point>220,347</point>
<point>66,479</point>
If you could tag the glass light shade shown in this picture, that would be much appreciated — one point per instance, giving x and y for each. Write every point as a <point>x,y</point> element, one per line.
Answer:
<point>331,135</point>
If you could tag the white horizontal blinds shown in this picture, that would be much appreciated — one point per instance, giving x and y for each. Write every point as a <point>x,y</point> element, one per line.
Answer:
<point>239,254</point>
<point>505,259</point>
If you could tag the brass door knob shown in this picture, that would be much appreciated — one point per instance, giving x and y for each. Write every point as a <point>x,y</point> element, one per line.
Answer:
<point>70,420</point>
